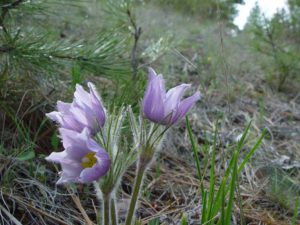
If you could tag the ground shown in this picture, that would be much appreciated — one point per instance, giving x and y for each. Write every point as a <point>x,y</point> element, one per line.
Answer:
<point>222,65</point>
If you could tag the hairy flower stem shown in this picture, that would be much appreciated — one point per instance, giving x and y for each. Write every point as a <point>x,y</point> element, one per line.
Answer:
<point>113,212</point>
<point>106,208</point>
<point>137,186</point>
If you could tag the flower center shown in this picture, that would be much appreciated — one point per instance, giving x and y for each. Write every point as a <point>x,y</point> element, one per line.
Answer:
<point>89,160</point>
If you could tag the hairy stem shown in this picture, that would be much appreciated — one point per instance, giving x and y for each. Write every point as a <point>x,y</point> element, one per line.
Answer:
<point>137,186</point>
<point>106,208</point>
<point>113,212</point>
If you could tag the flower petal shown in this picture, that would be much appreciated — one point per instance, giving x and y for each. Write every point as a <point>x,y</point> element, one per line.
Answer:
<point>63,107</point>
<point>94,147</point>
<point>173,97</point>
<point>70,172</point>
<point>98,170</point>
<point>83,97</point>
<point>98,108</point>
<point>56,156</point>
<point>69,122</point>
<point>75,143</point>
<point>64,117</point>
<point>78,147</point>
<point>86,110</point>
<point>185,106</point>
<point>55,116</point>
<point>151,73</point>
<point>153,99</point>
<point>82,115</point>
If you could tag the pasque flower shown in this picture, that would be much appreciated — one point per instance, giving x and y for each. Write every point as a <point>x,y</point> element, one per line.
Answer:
<point>86,110</point>
<point>83,160</point>
<point>163,107</point>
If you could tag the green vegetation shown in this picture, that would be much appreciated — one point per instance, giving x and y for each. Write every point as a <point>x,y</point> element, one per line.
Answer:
<point>278,39</point>
<point>214,169</point>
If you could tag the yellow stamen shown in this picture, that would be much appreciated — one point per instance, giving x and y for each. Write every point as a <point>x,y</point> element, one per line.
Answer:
<point>89,160</point>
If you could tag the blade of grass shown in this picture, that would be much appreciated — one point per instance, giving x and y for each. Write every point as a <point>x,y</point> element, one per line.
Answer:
<point>251,152</point>
<point>194,149</point>
<point>231,192</point>
<point>184,219</point>
<point>239,199</point>
<point>212,175</point>
<point>223,205</point>
<point>295,211</point>
<point>203,213</point>
<point>224,180</point>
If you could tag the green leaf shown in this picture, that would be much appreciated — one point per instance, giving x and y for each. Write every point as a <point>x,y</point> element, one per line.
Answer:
<point>26,155</point>
<point>252,151</point>
<point>228,213</point>
<point>195,151</point>
<point>183,219</point>
<point>294,220</point>
<point>154,221</point>
<point>54,141</point>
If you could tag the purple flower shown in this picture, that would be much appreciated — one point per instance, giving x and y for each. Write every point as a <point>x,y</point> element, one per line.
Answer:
<point>86,110</point>
<point>83,160</point>
<point>166,108</point>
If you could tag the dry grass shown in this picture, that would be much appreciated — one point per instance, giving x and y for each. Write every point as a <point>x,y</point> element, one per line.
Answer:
<point>268,186</point>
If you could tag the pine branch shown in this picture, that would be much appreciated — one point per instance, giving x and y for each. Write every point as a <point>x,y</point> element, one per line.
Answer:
<point>11,4</point>
<point>31,52</point>
<point>5,8</point>
<point>37,50</point>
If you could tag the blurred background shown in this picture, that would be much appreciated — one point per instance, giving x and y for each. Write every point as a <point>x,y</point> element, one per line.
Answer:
<point>244,56</point>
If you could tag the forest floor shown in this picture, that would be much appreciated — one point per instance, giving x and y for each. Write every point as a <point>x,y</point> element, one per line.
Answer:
<point>235,90</point>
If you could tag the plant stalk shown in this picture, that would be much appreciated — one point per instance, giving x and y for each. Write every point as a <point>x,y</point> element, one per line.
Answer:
<point>113,212</point>
<point>140,174</point>
<point>106,209</point>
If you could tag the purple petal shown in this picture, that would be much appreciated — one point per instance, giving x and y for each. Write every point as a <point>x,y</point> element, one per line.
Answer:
<point>55,116</point>
<point>82,115</point>
<point>82,97</point>
<point>77,146</point>
<point>93,146</point>
<point>173,97</point>
<point>93,91</point>
<point>162,86</point>
<point>153,100</point>
<point>151,73</point>
<point>65,121</point>
<point>56,156</point>
<point>98,170</point>
<point>75,143</point>
<point>68,137</point>
<point>86,110</point>
<point>70,172</point>
<point>185,106</point>
<point>64,117</point>
<point>63,107</point>
<point>97,105</point>
<point>69,122</point>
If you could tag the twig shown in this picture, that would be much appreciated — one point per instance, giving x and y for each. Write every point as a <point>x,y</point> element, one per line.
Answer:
<point>3,167</point>
<point>10,216</point>
<point>77,202</point>
<point>136,34</point>
<point>28,206</point>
